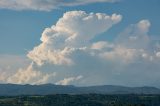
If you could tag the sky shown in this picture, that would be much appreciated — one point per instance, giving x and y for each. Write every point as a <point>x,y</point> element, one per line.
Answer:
<point>80,42</point>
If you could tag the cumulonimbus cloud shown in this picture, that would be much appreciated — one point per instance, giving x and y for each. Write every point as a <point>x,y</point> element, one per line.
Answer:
<point>44,5</point>
<point>72,32</point>
<point>75,30</point>
<point>131,54</point>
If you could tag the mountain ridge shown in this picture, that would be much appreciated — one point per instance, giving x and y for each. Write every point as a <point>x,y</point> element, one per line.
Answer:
<point>47,89</point>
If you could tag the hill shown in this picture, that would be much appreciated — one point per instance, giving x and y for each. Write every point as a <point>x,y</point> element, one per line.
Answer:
<point>47,89</point>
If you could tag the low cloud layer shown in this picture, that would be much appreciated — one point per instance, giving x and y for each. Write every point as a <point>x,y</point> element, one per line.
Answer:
<point>26,76</point>
<point>69,80</point>
<point>44,5</point>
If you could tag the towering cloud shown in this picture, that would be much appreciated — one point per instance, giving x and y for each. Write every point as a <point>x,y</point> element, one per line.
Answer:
<point>70,42</point>
<point>70,48</point>
<point>71,33</point>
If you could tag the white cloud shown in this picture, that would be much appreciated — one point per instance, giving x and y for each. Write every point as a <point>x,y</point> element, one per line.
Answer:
<point>29,76</point>
<point>44,5</point>
<point>132,54</point>
<point>8,65</point>
<point>158,54</point>
<point>70,42</point>
<point>2,76</point>
<point>135,36</point>
<point>143,26</point>
<point>119,53</point>
<point>101,45</point>
<point>132,45</point>
<point>71,33</point>
<point>69,80</point>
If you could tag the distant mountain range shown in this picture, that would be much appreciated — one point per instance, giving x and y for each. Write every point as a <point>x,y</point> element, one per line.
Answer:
<point>47,89</point>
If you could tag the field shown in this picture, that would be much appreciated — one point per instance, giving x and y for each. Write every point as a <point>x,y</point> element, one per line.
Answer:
<point>81,100</point>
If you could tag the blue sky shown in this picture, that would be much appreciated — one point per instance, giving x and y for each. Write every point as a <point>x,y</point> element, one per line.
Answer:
<point>22,25</point>
<point>26,26</point>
